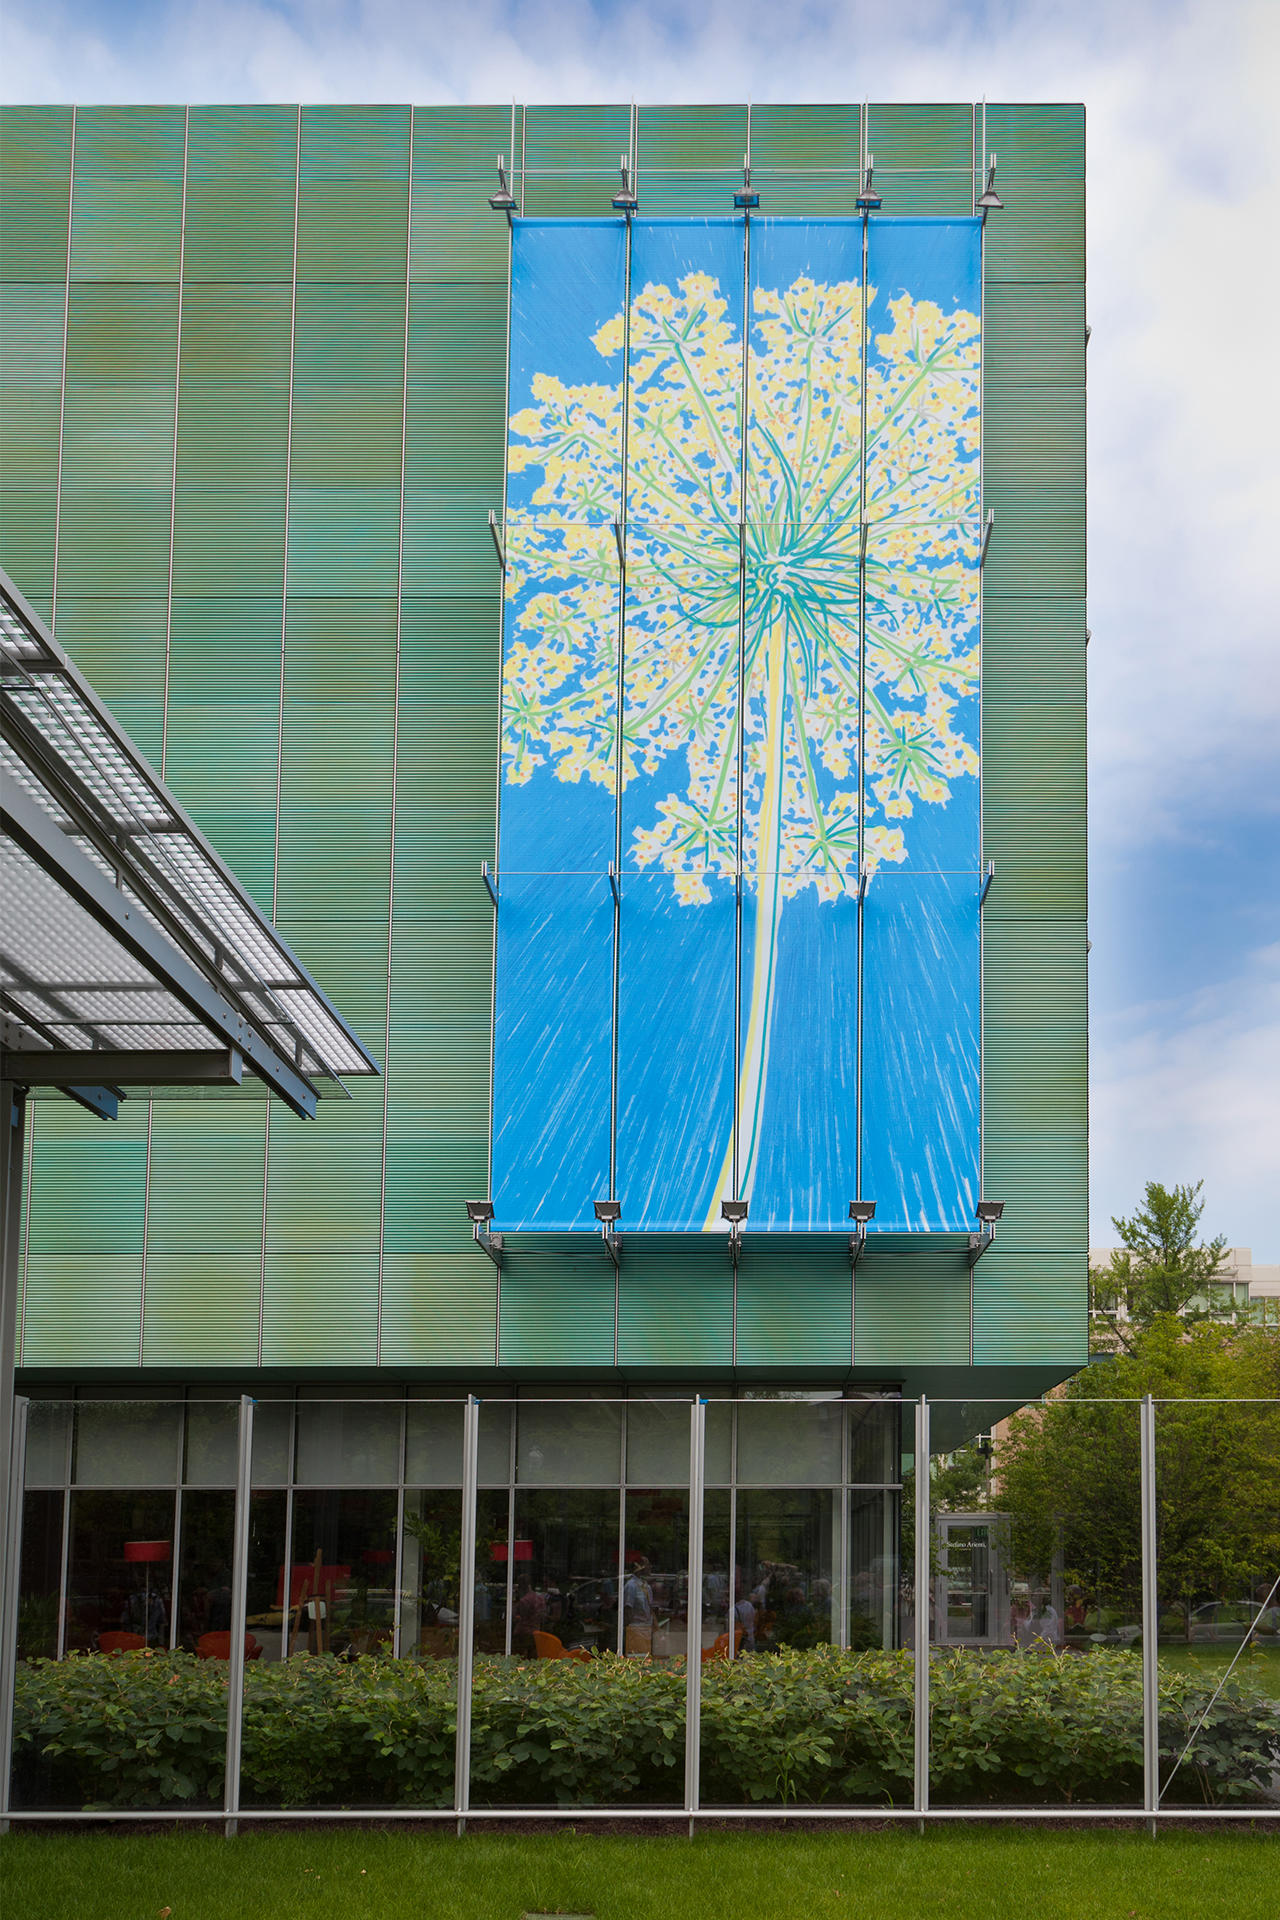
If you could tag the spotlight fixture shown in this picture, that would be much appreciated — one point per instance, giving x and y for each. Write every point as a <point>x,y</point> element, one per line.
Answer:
<point>479,1212</point>
<point>503,201</point>
<point>868,199</point>
<point>734,1211</point>
<point>608,1211</point>
<point>862,1211</point>
<point>989,1211</point>
<point>624,200</point>
<point>746,197</point>
<point>990,201</point>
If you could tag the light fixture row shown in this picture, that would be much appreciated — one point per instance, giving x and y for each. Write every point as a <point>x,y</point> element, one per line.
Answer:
<point>746,198</point>
<point>609,1212</point>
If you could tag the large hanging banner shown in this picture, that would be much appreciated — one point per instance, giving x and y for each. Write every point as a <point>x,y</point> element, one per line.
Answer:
<point>740,693</point>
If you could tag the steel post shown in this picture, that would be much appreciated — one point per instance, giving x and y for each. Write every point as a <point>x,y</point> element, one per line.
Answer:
<point>1150,1612</point>
<point>239,1609</point>
<point>924,1589</point>
<point>466,1608</point>
<point>693,1643</point>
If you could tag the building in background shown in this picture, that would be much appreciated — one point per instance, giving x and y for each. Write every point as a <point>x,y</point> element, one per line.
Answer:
<point>369,502</point>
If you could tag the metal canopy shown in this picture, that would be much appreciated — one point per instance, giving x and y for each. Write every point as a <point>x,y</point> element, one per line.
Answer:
<point>122,933</point>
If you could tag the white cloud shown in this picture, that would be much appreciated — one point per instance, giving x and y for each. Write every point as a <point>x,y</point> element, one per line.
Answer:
<point>1188,1090</point>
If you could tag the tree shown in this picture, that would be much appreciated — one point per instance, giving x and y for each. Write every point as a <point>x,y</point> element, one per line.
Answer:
<point>1068,1472</point>
<point>1160,1269</point>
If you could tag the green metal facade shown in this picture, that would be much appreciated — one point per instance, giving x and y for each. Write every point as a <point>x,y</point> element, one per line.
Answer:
<point>253,400</point>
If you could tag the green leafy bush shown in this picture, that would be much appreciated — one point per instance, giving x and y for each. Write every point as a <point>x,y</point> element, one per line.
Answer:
<point>794,1728</point>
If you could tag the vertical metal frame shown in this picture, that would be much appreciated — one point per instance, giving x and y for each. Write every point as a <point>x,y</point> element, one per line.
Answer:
<point>513,1430</point>
<point>1150,1611</point>
<point>924,1592</point>
<point>239,1609</point>
<point>693,1643</point>
<point>12,1548</point>
<point>467,1607</point>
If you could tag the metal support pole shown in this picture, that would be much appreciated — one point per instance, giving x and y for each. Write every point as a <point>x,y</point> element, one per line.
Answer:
<point>467,1607</point>
<point>924,1589</point>
<point>13,1113</point>
<point>1150,1614</point>
<point>693,1644</point>
<point>12,1548</point>
<point>239,1608</point>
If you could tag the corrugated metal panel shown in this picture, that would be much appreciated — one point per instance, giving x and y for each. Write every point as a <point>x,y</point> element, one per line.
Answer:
<point>437,863</point>
<point>1035,1077</point>
<point>344,542</point>
<point>1044,1180</point>
<point>441,974</point>
<point>232,437</point>
<point>241,143</point>
<point>352,230</point>
<point>28,516</point>
<point>1033,650</point>
<point>126,229</point>
<point>805,137</point>
<point>1035,975</point>
<point>355,143</point>
<point>905,1315</point>
<point>33,229</point>
<point>576,137</point>
<point>105,1169</point>
<point>1036,750</point>
<point>346,435</point>
<point>1033,435</point>
<point>223,538</point>
<point>556,1310</point>
<point>324,1180</point>
<point>673,1316</point>
<point>1043,141</point>
<point>1038,542</point>
<point>796,195</point>
<point>1040,234</point>
<point>1027,1305</point>
<point>433,1171</point>
<point>240,229</point>
<point>30,338</point>
<point>129,143</point>
<point>701,192</point>
<point>35,143</point>
<point>118,644</point>
<point>690,137</point>
<point>122,335</point>
<point>793,1318</point>
<point>236,335</point>
<point>929,191</point>
<point>205,1304</point>
<point>447,546</point>
<point>920,136</point>
<point>29,435</point>
<point>116,436</point>
<point>1035,332</point>
<point>82,1312</point>
<point>115,541</point>
<point>207,1161</point>
<point>460,143</point>
<point>590,194</point>
<point>438,1310</point>
<point>348,333</point>
<point>320,1309</point>
<point>450,240</point>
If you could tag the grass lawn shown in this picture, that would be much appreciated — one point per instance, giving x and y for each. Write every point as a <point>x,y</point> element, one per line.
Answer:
<point>963,1872</point>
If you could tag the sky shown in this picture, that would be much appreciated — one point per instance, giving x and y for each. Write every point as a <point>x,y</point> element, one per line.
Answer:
<point>1184,422</point>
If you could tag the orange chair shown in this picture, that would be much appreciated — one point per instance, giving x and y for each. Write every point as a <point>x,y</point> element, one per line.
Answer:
<point>114,1642</point>
<point>549,1647</point>
<point>217,1646</point>
<point>719,1648</point>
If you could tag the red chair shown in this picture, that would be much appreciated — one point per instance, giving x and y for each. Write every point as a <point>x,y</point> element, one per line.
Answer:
<point>217,1646</point>
<point>550,1647</point>
<point>115,1642</point>
<point>719,1648</point>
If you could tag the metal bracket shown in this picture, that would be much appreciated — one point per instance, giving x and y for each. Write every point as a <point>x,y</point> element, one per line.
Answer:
<point>490,1243</point>
<point>487,876</point>
<point>620,542</point>
<point>857,1247</point>
<point>987,878</point>
<point>978,1244</point>
<point>987,529</point>
<point>614,887</point>
<point>863,531</point>
<point>612,1246</point>
<point>864,881</point>
<point>497,540</point>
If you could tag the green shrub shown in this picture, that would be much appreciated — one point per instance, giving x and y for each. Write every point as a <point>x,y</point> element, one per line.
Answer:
<point>794,1728</point>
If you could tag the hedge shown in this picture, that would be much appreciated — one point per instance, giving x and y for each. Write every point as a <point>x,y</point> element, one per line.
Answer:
<point>801,1728</point>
